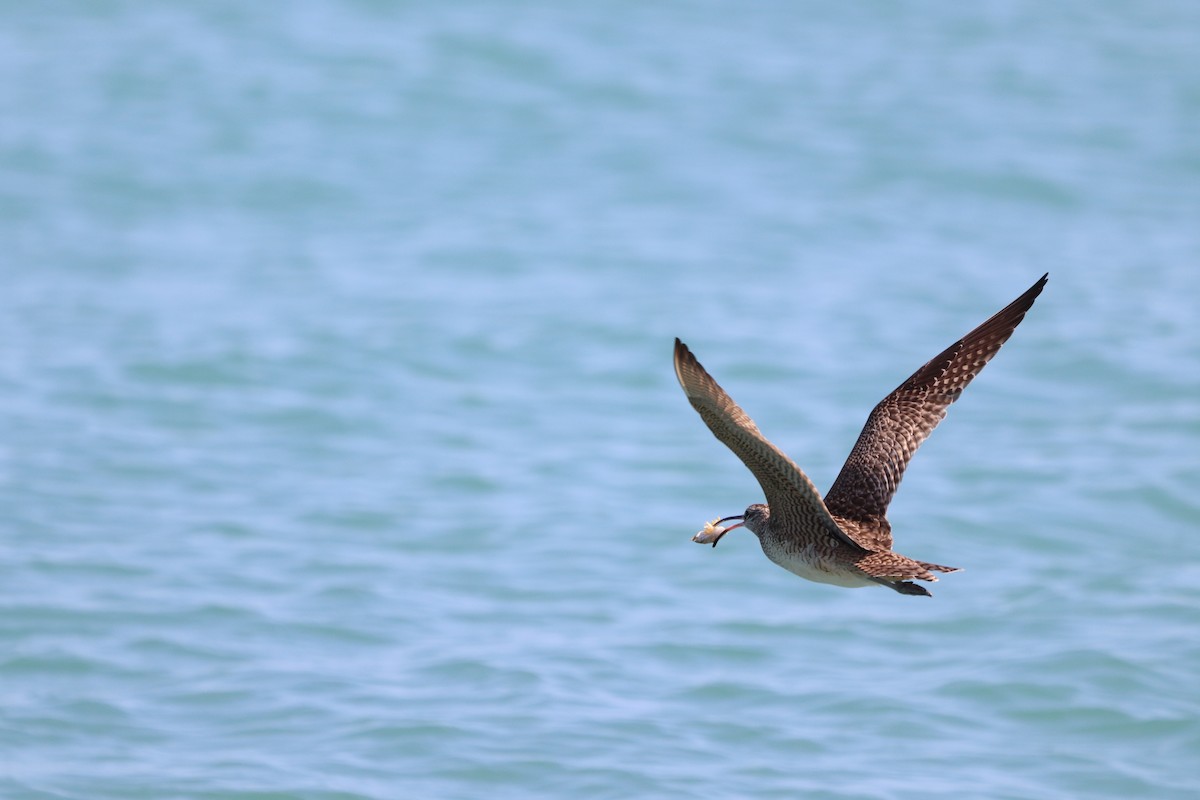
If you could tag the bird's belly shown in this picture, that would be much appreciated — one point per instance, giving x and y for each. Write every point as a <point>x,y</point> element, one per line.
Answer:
<point>812,564</point>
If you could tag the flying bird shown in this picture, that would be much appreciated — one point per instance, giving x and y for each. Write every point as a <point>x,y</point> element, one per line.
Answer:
<point>845,539</point>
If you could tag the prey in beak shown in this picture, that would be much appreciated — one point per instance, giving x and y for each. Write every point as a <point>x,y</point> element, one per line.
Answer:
<point>712,531</point>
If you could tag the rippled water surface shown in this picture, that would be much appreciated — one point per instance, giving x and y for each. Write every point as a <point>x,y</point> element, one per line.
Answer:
<point>342,456</point>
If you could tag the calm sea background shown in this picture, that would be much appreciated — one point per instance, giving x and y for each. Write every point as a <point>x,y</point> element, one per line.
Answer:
<point>342,456</point>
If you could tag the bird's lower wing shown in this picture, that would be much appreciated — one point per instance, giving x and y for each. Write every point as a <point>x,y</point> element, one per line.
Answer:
<point>794,501</point>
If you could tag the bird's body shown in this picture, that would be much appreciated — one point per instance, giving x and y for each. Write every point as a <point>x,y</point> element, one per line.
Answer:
<point>845,538</point>
<point>811,561</point>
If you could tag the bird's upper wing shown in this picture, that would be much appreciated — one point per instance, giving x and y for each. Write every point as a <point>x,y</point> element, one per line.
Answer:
<point>907,416</point>
<point>795,503</point>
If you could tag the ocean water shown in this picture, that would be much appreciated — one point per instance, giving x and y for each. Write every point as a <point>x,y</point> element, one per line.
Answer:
<point>342,456</point>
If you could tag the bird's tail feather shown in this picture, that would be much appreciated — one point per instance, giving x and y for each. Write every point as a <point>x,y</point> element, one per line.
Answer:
<point>938,567</point>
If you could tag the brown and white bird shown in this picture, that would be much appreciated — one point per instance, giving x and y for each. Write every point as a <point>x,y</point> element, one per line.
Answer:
<point>845,539</point>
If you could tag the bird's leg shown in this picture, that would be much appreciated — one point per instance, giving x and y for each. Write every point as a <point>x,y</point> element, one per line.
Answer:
<point>904,587</point>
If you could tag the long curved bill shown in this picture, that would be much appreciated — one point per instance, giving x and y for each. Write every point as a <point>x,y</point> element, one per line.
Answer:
<point>712,532</point>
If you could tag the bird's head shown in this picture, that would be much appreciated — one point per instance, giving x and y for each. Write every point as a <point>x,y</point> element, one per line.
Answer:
<point>755,518</point>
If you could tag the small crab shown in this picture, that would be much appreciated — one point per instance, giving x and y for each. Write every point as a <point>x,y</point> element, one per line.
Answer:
<point>712,531</point>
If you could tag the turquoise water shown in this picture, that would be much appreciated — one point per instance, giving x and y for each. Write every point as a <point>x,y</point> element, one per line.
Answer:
<point>342,456</point>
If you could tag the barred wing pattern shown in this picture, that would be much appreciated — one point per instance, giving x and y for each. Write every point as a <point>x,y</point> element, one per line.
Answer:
<point>905,418</point>
<point>795,503</point>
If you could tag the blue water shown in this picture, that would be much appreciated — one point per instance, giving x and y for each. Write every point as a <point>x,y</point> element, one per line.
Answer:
<point>342,455</point>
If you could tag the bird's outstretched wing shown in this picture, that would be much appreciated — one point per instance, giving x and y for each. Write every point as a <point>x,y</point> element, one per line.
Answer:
<point>795,504</point>
<point>905,418</point>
